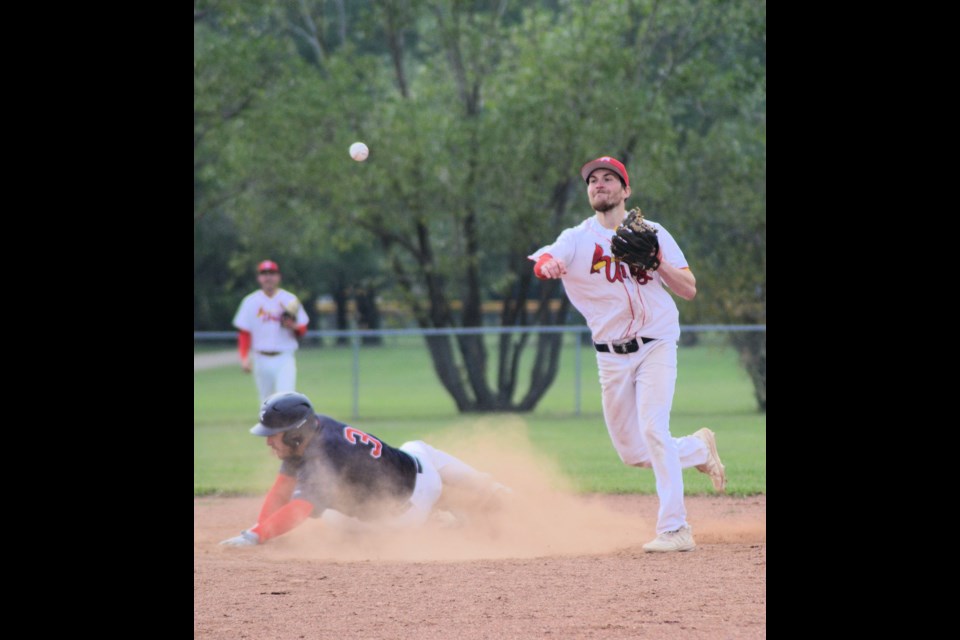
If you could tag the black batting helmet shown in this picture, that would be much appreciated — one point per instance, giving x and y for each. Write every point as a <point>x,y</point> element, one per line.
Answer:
<point>281,412</point>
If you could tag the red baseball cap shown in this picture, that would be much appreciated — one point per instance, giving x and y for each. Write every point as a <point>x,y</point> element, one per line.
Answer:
<point>268,265</point>
<point>605,162</point>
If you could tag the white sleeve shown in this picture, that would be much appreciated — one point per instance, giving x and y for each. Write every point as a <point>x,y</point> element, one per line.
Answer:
<point>302,315</point>
<point>671,250</point>
<point>242,319</point>
<point>564,248</point>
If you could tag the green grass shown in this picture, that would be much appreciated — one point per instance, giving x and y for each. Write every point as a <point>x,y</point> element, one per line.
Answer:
<point>401,399</point>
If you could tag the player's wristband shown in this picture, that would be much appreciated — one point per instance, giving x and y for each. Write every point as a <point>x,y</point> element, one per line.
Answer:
<point>537,267</point>
<point>283,519</point>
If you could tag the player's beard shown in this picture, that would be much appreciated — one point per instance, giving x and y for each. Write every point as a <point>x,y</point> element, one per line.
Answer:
<point>604,202</point>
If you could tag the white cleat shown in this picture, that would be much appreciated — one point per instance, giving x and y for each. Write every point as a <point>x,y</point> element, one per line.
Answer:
<point>712,467</point>
<point>679,540</point>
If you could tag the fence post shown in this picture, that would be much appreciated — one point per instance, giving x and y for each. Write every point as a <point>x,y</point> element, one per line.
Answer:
<point>576,373</point>
<point>355,342</point>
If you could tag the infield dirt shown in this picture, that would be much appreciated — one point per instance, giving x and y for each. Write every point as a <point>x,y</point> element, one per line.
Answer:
<point>551,564</point>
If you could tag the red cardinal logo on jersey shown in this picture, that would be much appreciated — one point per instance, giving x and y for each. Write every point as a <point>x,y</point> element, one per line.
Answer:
<point>613,269</point>
<point>265,316</point>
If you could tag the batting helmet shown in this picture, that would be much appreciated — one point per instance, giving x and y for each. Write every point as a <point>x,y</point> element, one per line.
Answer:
<point>281,412</point>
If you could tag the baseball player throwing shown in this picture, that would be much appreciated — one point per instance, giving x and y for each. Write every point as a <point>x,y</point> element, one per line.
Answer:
<point>635,326</point>
<point>271,322</point>
<point>353,479</point>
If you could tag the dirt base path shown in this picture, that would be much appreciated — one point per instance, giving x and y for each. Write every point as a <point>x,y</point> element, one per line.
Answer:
<point>575,570</point>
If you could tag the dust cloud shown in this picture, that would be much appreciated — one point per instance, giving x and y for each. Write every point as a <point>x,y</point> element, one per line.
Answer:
<point>543,516</point>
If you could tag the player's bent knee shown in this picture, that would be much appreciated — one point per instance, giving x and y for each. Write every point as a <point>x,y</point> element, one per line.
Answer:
<point>634,460</point>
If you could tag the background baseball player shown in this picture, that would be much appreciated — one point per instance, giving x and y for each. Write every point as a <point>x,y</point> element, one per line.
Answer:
<point>271,322</point>
<point>635,326</point>
<point>352,478</point>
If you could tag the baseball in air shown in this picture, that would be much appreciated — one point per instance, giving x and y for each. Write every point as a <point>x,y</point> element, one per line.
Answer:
<point>359,151</point>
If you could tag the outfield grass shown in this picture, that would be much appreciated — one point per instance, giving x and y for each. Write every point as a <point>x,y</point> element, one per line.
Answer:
<point>401,399</point>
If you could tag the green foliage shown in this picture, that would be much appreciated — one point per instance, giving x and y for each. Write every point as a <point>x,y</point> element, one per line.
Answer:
<point>479,114</point>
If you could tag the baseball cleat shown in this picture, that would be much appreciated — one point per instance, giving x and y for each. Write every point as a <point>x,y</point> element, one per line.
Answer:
<point>712,467</point>
<point>679,540</point>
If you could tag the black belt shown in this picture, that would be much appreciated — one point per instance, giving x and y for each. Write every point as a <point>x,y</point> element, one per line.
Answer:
<point>626,347</point>
<point>269,353</point>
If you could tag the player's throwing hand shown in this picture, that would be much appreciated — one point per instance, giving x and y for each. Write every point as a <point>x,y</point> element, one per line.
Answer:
<point>553,268</point>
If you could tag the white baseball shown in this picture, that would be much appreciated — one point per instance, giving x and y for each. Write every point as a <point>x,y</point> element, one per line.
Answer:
<point>359,151</point>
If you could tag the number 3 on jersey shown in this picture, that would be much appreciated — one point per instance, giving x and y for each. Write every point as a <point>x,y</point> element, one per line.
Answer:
<point>355,436</point>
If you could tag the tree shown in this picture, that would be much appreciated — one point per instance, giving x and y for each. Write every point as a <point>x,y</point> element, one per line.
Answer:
<point>262,112</point>
<point>478,116</point>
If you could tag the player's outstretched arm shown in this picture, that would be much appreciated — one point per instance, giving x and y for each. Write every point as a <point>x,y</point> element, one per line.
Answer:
<point>286,518</point>
<point>243,346</point>
<point>278,495</point>
<point>277,498</point>
<point>548,267</point>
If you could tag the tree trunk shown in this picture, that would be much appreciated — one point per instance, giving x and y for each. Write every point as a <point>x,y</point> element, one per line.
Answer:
<point>340,299</point>
<point>752,346</point>
<point>547,359</point>
<point>368,313</point>
<point>442,356</point>
<point>472,347</point>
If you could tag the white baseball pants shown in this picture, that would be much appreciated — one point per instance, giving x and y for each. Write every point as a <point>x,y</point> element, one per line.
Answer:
<point>274,373</point>
<point>637,397</point>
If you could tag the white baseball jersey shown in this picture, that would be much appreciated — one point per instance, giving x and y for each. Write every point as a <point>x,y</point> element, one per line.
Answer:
<point>260,315</point>
<point>616,306</point>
